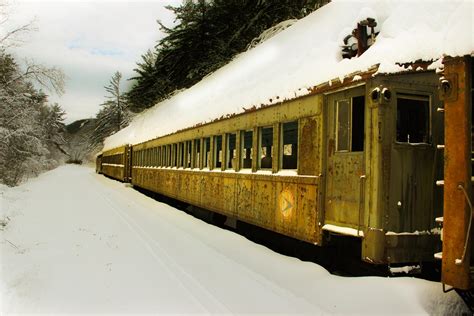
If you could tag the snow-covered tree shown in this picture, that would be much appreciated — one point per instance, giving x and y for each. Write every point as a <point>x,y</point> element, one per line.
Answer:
<point>114,114</point>
<point>30,129</point>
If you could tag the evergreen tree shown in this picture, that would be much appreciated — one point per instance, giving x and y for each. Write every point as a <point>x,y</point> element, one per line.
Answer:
<point>114,114</point>
<point>208,35</point>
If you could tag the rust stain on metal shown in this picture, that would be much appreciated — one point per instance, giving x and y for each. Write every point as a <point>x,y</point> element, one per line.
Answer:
<point>457,172</point>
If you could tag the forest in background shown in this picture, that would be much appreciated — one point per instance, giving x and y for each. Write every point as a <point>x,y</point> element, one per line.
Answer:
<point>206,36</point>
<point>31,129</point>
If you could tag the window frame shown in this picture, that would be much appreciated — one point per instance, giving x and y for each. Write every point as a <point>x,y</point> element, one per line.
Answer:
<point>349,149</point>
<point>282,144</point>
<point>260,144</point>
<point>228,159</point>
<point>242,147</point>
<point>418,97</point>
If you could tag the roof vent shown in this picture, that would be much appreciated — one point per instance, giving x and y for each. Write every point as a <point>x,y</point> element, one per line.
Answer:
<point>360,40</point>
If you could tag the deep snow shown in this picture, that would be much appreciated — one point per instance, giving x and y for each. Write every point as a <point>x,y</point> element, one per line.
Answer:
<point>77,242</point>
<point>307,54</point>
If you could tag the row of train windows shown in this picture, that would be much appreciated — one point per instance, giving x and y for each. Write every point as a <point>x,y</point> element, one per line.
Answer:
<point>188,154</point>
<point>116,159</point>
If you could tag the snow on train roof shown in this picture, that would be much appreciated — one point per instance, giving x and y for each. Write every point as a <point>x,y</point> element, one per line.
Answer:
<point>309,53</point>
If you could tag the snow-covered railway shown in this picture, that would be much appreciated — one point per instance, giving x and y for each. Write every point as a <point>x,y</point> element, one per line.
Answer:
<point>359,156</point>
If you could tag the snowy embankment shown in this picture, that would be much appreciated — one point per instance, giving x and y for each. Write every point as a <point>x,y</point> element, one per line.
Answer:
<point>309,53</point>
<point>77,242</point>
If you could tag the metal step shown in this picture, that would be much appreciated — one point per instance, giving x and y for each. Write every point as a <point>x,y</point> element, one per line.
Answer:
<point>440,183</point>
<point>438,255</point>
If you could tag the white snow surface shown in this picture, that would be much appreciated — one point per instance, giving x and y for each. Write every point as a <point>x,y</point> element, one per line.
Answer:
<point>77,242</point>
<point>308,53</point>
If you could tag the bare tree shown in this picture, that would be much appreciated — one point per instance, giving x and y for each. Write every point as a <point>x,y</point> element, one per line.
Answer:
<point>13,36</point>
<point>30,129</point>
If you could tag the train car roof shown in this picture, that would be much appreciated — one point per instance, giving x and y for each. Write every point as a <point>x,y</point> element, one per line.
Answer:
<point>308,54</point>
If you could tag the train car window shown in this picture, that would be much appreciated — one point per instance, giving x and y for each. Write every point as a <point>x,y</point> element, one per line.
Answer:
<point>162,156</point>
<point>290,145</point>
<point>343,115</point>
<point>197,151</point>
<point>188,154</point>
<point>231,151</point>
<point>181,152</point>
<point>247,149</point>
<point>350,122</point>
<point>413,114</point>
<point>158,156</point>
<point>168,155</point>
<point>207,152</point>
<point>358,123</point>
<point>154,159</point>
<point>174,155</point>
<point>266,147</point>
<point>218,151</point>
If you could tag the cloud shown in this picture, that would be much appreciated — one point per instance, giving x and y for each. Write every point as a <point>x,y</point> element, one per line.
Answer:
<point>89,41</point>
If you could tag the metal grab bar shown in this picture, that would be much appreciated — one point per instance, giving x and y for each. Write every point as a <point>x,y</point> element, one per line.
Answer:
<point>361,198</point>
<point>468,235</point>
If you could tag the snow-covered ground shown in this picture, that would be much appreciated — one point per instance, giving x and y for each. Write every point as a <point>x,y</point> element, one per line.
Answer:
<point>77,242</point>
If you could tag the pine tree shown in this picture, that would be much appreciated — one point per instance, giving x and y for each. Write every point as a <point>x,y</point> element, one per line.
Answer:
<point>114,114</point>
<point>208,35</point>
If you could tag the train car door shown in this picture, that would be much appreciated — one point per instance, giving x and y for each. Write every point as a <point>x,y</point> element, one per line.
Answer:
<point>345,167</point>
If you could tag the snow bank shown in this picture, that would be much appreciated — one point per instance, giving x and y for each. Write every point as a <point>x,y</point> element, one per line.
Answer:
<point>79,243</point>
<point>309,53</point>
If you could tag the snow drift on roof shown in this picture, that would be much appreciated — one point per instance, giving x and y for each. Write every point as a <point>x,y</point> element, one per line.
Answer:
<point>307,54</point>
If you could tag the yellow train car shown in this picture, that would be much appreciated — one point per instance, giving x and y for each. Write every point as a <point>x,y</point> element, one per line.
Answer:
<point>359,159</point>
<point>115,163</point>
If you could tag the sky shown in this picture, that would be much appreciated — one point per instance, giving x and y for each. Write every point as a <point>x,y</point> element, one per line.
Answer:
<point>89,41</point>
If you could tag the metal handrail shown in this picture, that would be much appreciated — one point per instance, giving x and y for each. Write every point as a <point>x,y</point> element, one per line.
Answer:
<point>460,261</point>
<point>361,198</point>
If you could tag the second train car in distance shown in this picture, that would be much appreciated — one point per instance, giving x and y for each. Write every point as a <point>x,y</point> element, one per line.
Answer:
<point>358,159</point>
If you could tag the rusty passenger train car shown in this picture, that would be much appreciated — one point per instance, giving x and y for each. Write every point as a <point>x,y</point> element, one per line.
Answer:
<point>386,159</point>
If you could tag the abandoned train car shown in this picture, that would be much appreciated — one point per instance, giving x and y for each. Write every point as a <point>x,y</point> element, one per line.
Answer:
<point>361,156</point>
<point>360,160</point>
